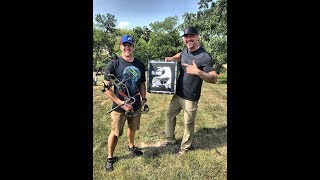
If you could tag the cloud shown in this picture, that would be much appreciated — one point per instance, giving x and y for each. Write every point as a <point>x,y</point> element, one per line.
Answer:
<point>123,24</point>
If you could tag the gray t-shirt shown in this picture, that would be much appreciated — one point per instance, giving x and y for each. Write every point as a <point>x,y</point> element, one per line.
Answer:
<point>189,86</point>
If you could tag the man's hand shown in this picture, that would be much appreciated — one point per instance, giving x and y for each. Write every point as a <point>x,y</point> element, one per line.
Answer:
<point>143,101</point>
<point>168,59</point>
<point>192,69</point>
<point>126,107</point>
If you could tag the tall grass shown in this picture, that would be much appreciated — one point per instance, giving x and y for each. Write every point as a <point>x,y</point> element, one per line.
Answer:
<point>208,159</point>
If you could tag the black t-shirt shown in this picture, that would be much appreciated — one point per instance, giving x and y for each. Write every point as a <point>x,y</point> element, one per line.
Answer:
<point>129,73</point>
<point>189,86</point>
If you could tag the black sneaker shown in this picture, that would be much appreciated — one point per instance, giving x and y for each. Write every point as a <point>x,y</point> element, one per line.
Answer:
<point>135,151</point>
<point>109,163</point>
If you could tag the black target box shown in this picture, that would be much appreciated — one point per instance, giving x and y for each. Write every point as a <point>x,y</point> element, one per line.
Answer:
<point>162,77</point>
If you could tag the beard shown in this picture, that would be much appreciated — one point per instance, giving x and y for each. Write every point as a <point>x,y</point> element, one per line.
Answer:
<point>190,44</point>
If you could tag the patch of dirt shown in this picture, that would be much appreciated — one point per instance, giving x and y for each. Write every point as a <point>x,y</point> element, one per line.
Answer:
<point>145,145</point>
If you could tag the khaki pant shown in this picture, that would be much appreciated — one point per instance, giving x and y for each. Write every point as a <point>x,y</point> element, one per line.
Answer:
<point>118,120</point>
<point>189,113</point>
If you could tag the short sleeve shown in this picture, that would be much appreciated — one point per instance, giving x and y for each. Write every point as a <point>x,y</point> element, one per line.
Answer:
<point>109,69</point>
<point>207,65</point>
<point>143,74</point>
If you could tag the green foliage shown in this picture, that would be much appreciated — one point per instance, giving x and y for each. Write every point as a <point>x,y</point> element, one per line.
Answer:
<point>141,51</point>
<point>104,32</point>
<point>100,65</point>
<point>189,19</point>
<point>165,44</point>
<point>106,23</point>
<point>167,25</point>
<point>217,47</point>
<point>164,39</point>
<point>160,41</point>
<point>143,33</point>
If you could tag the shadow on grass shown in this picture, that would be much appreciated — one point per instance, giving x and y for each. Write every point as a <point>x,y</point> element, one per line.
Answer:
<point>152,152</point>
<point>205,138</point>
<point>127,156</point>
<point>210,138</point>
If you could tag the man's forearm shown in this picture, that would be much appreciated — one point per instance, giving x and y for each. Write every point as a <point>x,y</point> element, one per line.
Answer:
<point>210,77</point>
<point>113,97</point>
<point>176,57</point>
<point>143,90</point>
<point>109,92</point>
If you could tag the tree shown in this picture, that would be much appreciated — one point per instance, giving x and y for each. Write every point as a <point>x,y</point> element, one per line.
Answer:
<point>167,25</point>
<point>143,33</point>
<point>104,32</point>
<point>164,39</point>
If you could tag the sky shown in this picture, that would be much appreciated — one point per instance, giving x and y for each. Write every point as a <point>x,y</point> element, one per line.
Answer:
<point>133,13</point>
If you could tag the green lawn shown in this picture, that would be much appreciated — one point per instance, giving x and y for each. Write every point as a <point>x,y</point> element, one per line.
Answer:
<point>208,160</point>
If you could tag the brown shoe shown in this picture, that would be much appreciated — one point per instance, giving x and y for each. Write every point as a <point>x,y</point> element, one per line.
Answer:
<point>181,153</point>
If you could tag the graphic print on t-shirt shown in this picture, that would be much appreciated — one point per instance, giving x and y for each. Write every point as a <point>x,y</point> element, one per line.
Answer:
<point>131,75</point>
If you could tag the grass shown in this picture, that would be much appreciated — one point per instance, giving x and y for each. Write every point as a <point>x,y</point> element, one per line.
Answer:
<point>208,160</point>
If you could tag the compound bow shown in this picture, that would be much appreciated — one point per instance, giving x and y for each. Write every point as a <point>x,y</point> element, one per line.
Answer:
<point>125,93</point>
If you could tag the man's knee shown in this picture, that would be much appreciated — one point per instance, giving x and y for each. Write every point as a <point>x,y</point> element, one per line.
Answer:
<point>116,133</point>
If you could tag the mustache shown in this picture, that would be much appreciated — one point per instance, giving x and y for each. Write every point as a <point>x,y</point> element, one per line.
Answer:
<point>190,41</point>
